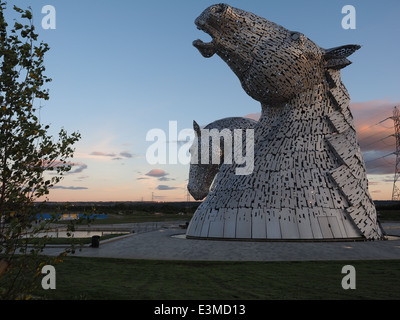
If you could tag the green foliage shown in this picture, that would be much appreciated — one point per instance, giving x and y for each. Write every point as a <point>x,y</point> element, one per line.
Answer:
<point>27,152</point>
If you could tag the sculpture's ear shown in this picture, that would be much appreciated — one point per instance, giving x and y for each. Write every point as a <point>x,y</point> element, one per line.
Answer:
<point>196,128</point>
<point>336,58</point>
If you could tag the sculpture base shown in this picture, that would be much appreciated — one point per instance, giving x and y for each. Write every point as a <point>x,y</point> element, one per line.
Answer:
<point>359,239</point>
<point>246,224</point>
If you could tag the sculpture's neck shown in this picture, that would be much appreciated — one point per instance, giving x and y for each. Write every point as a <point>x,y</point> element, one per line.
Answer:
<point>306,101</point>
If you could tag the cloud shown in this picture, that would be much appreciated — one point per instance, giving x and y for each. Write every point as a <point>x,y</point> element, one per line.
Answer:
<point>142,178</point>
<point>126,154</point>
<point>56,164</point>
<point>103,154</point>
<point>81,166</point>
<point>158,173</point>
<point>388,178</point>
<point>255,116</point>
<point>373,108</point>
<point>379,162</point>
<point>165,179</point>
<point>122,155</point>
<point>374,132</point>
<point>81,178</point>
<point>164,187</point>
<point>69,188</point>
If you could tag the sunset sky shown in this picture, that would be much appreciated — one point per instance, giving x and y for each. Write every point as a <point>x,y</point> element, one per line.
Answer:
<point>122,68</point>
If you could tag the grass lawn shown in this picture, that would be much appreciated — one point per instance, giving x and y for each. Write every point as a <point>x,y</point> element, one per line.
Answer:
<point>124,279</point>
<point>116,279</point>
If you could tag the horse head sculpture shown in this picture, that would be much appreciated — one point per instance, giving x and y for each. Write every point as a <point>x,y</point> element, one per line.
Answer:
<point>309,179</point>
<point>272,63</point>
<point>208,154</point>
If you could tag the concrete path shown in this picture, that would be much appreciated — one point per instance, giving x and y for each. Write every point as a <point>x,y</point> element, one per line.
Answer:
<point>170,244</point>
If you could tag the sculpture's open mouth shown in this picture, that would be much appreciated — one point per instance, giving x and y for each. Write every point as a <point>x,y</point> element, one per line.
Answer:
<point>207,49</point>
<point>196,193</point>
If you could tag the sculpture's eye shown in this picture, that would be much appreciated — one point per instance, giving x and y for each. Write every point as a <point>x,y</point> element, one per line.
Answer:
<point>219,8</point>
<point>295,36</point>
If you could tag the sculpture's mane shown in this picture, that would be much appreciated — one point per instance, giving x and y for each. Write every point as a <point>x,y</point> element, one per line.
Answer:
<point>350,176</point>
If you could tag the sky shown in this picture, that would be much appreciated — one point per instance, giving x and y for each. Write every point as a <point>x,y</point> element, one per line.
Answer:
<point>123,68</point>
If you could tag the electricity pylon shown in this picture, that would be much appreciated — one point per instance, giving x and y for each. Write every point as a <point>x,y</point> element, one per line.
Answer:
<point>396,189</point>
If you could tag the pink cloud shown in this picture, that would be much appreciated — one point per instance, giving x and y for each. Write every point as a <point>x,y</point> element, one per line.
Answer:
<point>255,116</point>
<point>156,173</point>
<point>375,134</point>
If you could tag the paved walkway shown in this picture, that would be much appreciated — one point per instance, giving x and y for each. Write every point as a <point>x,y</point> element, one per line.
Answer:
<point>170,244</point>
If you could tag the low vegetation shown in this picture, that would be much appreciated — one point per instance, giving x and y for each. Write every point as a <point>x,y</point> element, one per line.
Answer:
<point>115,279</point>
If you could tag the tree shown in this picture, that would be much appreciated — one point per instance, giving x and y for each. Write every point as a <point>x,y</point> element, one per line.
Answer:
<point>31,161</point>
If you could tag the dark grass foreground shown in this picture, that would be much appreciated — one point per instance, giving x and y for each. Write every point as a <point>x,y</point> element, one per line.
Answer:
<point>115,279</point>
